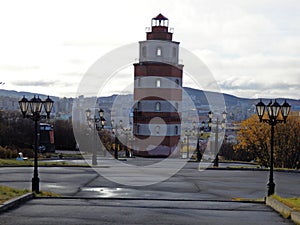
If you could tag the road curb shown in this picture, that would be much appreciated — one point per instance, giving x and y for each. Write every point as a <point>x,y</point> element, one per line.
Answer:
<point>15,202</point>
<point>295,216</point>
<point>283,209</point>
<point>278,206</point>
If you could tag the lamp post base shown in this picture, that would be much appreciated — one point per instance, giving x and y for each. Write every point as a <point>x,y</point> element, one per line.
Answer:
<point>216,161</point>
<point>35,185</point>
<point>271,188</point>
<point>116,154</point>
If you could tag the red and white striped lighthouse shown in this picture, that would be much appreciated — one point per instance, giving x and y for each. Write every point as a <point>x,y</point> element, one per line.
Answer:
<point>157,92</point>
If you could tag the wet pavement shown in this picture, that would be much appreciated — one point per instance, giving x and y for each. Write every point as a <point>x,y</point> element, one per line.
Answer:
<point>110,211</point>
<point>191,196</point>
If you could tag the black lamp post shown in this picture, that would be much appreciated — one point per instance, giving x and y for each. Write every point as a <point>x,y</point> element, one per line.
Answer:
<point>93,122</point>
<point>200,131</point>
<point>273,110</point>
<point>36,105</point>
<point>188,133</point>
<point>127,132</point>
<point>131,141</point>
<point>217,123</point>
<point>115,132</point>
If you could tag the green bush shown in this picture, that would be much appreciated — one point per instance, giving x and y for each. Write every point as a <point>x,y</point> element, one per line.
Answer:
<point>7,153</point>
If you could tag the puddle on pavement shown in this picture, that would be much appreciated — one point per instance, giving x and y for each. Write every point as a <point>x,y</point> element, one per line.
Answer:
<point>107,192</point>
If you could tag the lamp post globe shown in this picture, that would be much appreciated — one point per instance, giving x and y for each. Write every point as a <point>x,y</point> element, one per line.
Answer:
<point>48,105</point>
<point>285,110</point>
<point>88,113</point>
<point>260,110</point>
<point>23,103</point>
<point>101,113</point>
<point>273,110</point>
<point>103,121</point>
<point>35,105</point>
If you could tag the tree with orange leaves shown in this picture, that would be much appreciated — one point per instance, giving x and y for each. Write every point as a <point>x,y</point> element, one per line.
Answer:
<point>254,142</point>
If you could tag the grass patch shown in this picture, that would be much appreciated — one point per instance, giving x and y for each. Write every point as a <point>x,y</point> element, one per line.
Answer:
<point>293,202</point>
<point>7,193</point>
<point>47,194</point>
<point>249,199</point>
<point>243,167</point>
<point>13,162</point>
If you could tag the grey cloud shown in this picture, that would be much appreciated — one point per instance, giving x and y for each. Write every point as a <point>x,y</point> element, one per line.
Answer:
<point>82,43</point>
<point>236,84</point>
<point>72,74</point>
<point>34,83</point>
<point>76,61</point>
<point>18,67</point>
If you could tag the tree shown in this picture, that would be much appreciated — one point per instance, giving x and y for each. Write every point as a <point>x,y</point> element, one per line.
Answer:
<point>226,151</point>
<point>15,131</point>
<point>63,135</point>
<point>254,142</point>
<point>287,143</point>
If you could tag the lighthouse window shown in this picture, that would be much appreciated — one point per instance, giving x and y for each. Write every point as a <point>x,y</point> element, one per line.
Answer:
<point>158,51</point>
<point>177,82</point>
<point>176,129</point>
<point>157,129</point>
<point>157,83</point>
<point>157,106</point>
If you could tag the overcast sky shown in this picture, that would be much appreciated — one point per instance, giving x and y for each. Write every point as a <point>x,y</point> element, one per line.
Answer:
<point>251,47</point>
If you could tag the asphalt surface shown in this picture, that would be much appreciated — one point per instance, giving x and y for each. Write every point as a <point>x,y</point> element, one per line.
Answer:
<point>108,211</point>
<point>188,183</point>
<point>191,196</point>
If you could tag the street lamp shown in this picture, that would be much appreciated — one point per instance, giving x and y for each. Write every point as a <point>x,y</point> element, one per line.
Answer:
<point>127,132</point>
<point>217,123</point>
<point>115,132</point>
<point>200,132</point>
<point>36,105</point>
<point>188,133</point>
<point>94,122</point>
<point>273,110</point>
<point>131,147</point>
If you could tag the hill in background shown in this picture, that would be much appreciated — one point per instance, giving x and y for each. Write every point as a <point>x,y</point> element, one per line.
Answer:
<point>237,108</point>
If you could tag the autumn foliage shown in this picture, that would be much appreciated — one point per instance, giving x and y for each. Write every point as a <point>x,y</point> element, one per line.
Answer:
<point>254,142</point>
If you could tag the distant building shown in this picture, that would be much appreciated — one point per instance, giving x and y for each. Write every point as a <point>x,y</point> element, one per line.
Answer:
<point>157,92</point>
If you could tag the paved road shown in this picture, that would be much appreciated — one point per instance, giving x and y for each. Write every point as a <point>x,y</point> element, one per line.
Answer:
<point>101,211</point>
<point>188,183</point>
<point>187,197</point>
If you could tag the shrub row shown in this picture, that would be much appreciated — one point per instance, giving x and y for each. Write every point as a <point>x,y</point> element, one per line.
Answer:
<point>8,153</point>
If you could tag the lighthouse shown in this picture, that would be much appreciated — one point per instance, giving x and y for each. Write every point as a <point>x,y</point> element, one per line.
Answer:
<point>157,93</point>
